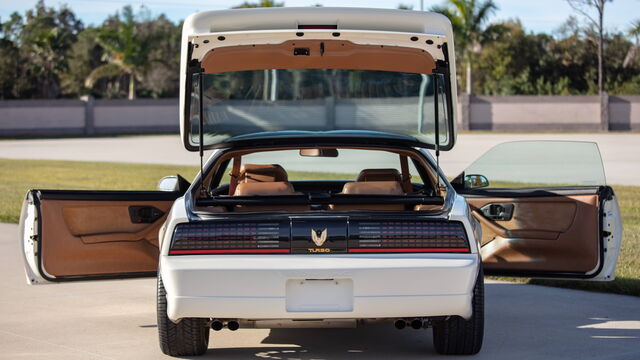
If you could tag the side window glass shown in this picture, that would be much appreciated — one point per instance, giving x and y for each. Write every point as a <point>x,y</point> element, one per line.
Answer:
<point>522,164</point>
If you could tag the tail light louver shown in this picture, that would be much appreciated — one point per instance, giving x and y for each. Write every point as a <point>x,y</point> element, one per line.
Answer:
<point>230,237</point>
<point>407,236</point>
<point>275,237</point>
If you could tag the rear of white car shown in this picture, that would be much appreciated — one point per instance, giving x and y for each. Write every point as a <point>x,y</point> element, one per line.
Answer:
<point>314,86</point>
<point>391,284</point>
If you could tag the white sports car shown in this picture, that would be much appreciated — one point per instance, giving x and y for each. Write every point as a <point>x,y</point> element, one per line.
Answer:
<point>322,205</point>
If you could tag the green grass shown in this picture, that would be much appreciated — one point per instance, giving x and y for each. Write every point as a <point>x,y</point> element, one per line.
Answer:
<point>18,176</point>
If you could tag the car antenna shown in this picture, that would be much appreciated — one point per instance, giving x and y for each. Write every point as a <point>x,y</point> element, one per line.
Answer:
<point>437,130</point>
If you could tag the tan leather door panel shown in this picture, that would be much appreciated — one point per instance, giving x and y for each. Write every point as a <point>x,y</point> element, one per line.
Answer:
<point>85,237</point>
<point>555,233</point>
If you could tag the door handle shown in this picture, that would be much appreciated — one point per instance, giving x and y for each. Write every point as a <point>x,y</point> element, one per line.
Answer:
<point>144,214</point>
<point>498,212</point>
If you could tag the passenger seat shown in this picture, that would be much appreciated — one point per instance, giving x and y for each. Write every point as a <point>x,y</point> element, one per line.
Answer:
<point>379,175</point>
<point>373,182</point>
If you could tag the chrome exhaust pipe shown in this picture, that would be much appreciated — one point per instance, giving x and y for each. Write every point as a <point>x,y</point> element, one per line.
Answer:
<point>233,325</point>
<point>216,325</point>
<point>416,324</point>
<point>400,324</point>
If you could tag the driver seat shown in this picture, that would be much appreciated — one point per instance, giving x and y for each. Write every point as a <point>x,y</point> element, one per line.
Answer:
<point>265,180</point>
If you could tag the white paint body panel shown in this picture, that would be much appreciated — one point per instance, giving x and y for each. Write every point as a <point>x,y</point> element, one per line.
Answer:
<point>260,286</point>
<point>612,223</point>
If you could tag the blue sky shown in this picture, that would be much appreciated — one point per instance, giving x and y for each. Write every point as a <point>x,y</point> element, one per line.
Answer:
<point>537,16</point>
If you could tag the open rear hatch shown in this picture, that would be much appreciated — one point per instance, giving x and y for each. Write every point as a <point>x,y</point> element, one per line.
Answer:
<point>302,79</point>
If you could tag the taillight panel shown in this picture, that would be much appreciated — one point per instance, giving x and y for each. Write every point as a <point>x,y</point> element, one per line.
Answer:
<point>290,236</point>
<point>407,236</point>
<point>231,237</point>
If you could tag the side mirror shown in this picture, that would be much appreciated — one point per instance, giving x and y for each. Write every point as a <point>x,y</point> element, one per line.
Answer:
<point>475,181</point>
<point>168,183</point>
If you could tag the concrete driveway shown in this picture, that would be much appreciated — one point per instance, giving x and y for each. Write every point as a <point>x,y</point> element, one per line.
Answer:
<point>116,320</point>
<point>619,151</point>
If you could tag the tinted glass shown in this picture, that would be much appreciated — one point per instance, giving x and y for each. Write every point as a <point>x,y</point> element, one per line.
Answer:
<point>246,102</point>
<point>346,166</point>
<point>541,163</point>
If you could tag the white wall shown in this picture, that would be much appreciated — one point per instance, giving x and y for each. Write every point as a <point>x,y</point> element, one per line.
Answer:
<point>147,116</point>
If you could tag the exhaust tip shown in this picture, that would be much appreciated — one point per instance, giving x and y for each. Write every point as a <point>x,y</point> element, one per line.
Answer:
<point>233,325</point>
<point>217,325</point>
<point>416,324</point>
<point>400,324</point>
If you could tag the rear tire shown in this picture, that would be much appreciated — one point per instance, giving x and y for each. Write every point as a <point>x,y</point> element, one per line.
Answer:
<point>457,336</point>
<point>188,337</point>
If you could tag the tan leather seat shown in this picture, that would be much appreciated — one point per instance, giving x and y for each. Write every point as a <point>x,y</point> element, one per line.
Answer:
<point>255,179</point>
<point>371,188</point>
<point>266,188</point>
<point>262,173</point>
<point>379,175</point>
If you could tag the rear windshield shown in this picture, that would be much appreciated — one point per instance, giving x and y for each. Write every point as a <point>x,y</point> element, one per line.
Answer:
<point>346,166</point>
<point>247,102</point>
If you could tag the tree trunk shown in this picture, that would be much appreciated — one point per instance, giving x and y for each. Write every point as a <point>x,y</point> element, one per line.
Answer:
<point>132,87</point>
<point>604,99</point>
<point>469,89</point>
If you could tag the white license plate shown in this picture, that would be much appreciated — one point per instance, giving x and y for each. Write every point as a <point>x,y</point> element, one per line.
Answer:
<point>334,295</point>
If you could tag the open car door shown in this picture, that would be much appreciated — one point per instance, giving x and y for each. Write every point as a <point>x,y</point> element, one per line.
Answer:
<point>80,235</point>
<point>545,210</point>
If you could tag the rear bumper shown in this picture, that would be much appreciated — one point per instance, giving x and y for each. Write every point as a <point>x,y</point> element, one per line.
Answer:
<point>362,286</point>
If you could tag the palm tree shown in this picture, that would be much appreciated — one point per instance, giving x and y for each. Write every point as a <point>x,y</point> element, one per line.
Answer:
<point>126,52</point>
<point>634,51</point>
<point>468,18</point>
<point>261,3</point>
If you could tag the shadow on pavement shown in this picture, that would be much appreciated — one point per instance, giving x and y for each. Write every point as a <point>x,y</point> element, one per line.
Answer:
<point>371,341</point>
<point>522,322</point>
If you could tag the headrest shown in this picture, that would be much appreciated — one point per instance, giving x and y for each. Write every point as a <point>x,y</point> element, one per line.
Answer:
<point>261,173</point>
<point>264,188</point>
<point>373,188</point>
<point>379,175</point>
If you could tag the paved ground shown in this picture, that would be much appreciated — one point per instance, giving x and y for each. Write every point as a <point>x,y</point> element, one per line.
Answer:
<point>116,320</point>
<point>619,151</point>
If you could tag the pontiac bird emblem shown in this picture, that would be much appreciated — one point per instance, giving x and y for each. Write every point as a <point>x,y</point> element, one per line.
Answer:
<point>319,236</point>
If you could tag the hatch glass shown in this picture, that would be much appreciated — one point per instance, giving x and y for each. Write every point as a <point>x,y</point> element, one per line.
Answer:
<point>286,102</point>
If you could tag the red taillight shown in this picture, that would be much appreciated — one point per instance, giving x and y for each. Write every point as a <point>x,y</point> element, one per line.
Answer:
<point>230,251</point>
<point>409,250</point>
<point>339,236</point>
<point>230,237</point>
<point>407,236</point>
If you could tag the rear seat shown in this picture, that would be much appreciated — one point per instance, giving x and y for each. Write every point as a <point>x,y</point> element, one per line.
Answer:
<point>373,182</point>
<point>267,180</point>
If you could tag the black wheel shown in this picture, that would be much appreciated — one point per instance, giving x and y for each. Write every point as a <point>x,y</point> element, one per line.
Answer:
<point>188,337</point>
<point>457,336</point>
